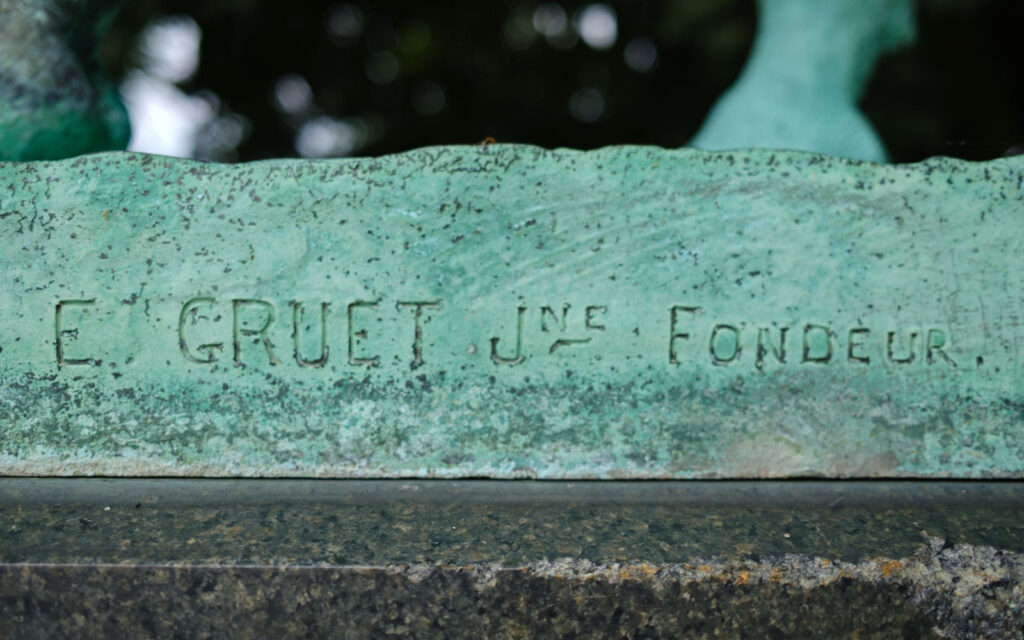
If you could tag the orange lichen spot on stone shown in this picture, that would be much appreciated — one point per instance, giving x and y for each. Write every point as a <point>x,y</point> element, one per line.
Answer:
<point>743,577</point>
<point>705,568</point>
<point>889,567</point>
<point>776,574</point>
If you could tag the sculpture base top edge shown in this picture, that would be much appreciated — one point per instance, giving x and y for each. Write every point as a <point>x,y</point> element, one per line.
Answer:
<point>506,311</point>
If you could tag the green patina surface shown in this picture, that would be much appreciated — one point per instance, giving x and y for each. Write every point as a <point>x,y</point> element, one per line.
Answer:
<point>512,312</point>
<point>55,100</point>
<point>808,67</point>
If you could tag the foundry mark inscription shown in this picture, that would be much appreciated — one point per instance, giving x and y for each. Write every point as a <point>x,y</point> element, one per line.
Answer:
<point>251,318</point>
<point>809,343</point>
<point>560,327</point>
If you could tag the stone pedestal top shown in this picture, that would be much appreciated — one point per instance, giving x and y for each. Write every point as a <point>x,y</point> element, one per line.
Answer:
<point>463,559</point>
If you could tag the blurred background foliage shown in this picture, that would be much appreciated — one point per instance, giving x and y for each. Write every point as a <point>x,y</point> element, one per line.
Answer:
<point>231,80</point>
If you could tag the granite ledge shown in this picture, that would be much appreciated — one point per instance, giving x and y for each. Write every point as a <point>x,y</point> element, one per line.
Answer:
<point>229,558</point>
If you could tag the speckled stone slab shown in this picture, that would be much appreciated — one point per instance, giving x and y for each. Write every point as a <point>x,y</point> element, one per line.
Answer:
<point>88,558</point>
<point>507,311</point>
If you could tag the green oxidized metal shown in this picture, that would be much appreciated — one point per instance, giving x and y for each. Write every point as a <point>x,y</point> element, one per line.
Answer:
<point>807,69</point>
<point>55,100</point>
<point>507,311</point>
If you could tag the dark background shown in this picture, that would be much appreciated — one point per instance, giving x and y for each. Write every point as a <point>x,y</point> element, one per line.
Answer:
<point>958,91</point>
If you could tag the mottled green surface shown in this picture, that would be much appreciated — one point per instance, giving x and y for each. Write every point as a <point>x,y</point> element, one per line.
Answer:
<point>55,100</point>
<point>454,559</point>
<point>898,288</point>
<point>808,67</point>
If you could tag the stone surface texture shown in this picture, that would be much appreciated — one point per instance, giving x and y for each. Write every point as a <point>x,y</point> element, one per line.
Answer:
<point>435,559</point>
<point>506,311</point>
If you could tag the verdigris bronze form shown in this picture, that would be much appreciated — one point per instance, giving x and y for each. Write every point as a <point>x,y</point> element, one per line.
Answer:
<point>511,312</point>
<point>55,101</point>
<point>809,64</point>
